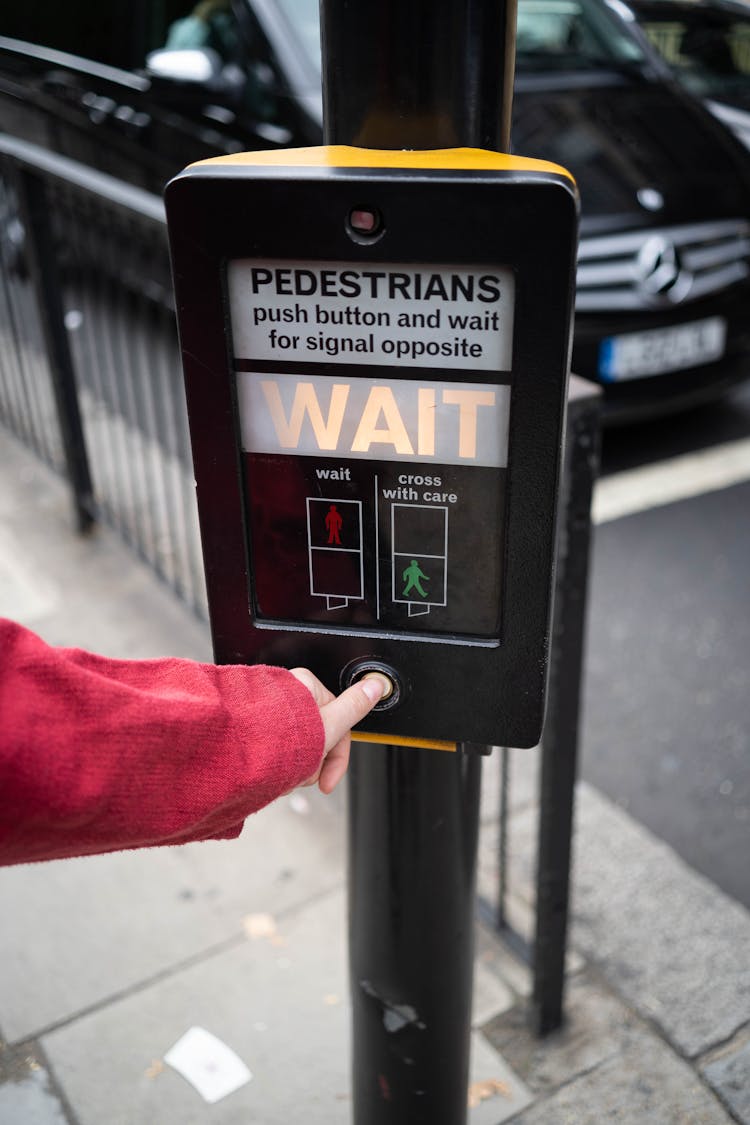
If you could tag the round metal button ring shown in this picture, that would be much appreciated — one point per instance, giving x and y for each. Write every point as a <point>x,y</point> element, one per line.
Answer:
<point>363,669</point>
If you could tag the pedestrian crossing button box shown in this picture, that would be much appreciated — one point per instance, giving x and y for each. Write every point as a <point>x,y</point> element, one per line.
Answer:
<point>376,347</point>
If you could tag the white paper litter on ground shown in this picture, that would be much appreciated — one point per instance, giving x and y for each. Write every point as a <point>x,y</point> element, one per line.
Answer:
<point>207,1064</point>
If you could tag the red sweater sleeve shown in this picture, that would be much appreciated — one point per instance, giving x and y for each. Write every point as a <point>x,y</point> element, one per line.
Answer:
<point>97,754</point>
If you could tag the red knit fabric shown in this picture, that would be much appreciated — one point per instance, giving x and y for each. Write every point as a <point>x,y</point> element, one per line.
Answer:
<point>98,755</point>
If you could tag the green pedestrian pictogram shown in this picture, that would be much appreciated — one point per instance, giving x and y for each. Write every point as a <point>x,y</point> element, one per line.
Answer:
<point>413,577</point>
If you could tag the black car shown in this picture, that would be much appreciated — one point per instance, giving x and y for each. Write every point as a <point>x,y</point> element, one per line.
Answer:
<point>664,266</point>
<point>664,257</point>
<point>140,122</point>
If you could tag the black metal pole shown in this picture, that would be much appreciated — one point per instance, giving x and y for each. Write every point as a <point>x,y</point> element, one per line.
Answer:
<point>559,765</point>
<point>413,822</point>
<point>427,74</point>
<point>422,74</point>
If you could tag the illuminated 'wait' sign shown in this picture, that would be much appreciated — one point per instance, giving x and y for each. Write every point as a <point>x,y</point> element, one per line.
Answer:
<point>391,420</point>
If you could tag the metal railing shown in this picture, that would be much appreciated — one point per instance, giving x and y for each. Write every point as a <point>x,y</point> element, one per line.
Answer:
<point>27,399</point>
<point>90,374</point>
<point>90,379</point>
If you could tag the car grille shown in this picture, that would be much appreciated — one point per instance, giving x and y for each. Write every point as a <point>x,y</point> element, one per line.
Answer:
<point>659,268</point>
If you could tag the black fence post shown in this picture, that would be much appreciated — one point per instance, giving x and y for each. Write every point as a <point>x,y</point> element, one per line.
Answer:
<point>559,748</point>
<point>41,254</point>
<point>429,74</point>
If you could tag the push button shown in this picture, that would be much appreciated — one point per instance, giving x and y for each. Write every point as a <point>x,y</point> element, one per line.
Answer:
<point>364,669</point>
<point>381,676</point>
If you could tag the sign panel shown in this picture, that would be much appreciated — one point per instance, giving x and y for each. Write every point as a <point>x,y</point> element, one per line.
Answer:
<point>374,502</point>
<point>398,315</point>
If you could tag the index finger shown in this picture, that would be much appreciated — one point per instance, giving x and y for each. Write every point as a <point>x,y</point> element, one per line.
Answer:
<point>349,708</point>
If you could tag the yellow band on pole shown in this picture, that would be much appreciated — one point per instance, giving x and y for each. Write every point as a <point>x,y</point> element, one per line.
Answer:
<point>403,740</point>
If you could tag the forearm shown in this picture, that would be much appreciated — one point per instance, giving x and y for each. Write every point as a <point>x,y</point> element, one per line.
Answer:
<point>99,754</point>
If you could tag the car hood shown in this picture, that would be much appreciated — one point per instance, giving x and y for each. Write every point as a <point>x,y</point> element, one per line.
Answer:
<point>736,98</point>
<point>620,137</point>
<point>738,120</point>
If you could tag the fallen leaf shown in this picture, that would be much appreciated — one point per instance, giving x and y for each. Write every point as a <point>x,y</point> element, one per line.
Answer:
<point>153,1071</point>
<point>259,926</point>
<point>483,1091</point>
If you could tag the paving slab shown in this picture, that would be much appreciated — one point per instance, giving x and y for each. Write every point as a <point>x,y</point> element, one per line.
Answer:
<point>26,589</point>
<point>496,1093</point>
<point>520,878</point>
<point>520,856</point>
<point>523,773</point>
<point>27,1095</point>
<point>280,1006</point>
<point>280,1002</point>
<point>80,590</point>
<point>728,1073</point>
<point>596,1027</point>
<point>77,932</point>
<point>674,946</point>
<point>645,1084</point>
<point>491,994</point>
<point>503,962</point>
<point>31,1101</point>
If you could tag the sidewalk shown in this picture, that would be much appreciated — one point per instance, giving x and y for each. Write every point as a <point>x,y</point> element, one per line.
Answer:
<point>106,962</point>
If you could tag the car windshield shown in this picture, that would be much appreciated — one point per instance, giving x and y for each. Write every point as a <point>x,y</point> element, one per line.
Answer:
<point>304,17</point>
<point>709,49</point>
<point>552,34</point>
<point>571,35</point>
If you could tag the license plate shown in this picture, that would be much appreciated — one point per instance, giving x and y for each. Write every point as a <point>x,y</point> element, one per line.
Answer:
<point>660,350</point>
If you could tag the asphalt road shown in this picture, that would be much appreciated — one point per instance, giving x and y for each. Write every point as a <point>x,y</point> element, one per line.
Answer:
<point>666,723</point>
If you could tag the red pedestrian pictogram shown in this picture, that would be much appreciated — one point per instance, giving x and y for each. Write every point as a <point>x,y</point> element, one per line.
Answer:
<point>334,523</point>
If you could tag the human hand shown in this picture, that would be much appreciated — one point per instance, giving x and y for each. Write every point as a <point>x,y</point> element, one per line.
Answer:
<point>339,715</point>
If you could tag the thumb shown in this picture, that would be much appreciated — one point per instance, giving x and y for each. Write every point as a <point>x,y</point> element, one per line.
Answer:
<point>344,712</point>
